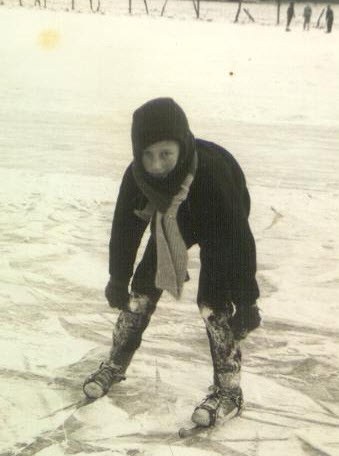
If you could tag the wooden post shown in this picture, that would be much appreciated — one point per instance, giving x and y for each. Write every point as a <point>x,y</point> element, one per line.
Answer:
<point>195,7</point>
<point>319,18</point>
<point>163,8</point>
<point>196,4</point>
<point>130,6</point>
<point>146,6</point>
<point>97,9</point>
<point>73,4</point>
<point>278,11</point>
<point>45,3</point>
<point>238,11</point>
<point>249,15</point>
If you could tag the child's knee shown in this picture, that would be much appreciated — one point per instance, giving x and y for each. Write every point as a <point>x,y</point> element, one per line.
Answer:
<point>206,312</point>
<point>141,304</point>
<point>213,316</point>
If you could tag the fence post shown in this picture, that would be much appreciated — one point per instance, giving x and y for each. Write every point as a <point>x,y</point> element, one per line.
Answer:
<point>278,12</point>
<point>97,9</point>
<point>146,6</point>
<point>195,8</point>
<point>238,11</point>
<point>319,18</point>
<point>163,8</point>
<point>249,15</point>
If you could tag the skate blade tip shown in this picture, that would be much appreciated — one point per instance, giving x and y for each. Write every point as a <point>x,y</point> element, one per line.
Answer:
<point>93,391</point>
<point>201,418</point>
<point>190,432</point>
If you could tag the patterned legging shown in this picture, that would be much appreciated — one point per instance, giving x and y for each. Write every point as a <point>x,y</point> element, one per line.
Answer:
<point>225,351</point>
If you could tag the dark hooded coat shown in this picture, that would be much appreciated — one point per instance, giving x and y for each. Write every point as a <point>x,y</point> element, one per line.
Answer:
<point>214,216</point>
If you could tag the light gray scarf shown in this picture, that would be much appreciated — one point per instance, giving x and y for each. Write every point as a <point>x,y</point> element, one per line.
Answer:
<point>172,254</point>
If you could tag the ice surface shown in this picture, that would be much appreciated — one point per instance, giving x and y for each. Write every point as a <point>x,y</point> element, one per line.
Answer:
<point>267,96</point>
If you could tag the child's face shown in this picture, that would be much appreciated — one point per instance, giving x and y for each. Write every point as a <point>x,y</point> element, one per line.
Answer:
<point>160,158</point>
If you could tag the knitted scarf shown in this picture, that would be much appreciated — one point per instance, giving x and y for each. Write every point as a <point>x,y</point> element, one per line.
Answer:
<point>172,255</point>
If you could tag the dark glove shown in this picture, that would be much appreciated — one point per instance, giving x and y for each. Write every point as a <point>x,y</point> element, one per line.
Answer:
<point>245,320</point>
<point>117,295</point>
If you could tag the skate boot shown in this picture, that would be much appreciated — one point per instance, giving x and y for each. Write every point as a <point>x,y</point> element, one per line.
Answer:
<point>224,403</point>
<point>98,383</point>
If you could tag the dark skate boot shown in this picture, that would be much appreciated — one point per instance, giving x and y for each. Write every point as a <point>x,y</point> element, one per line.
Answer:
<point>224,404</point>
<point>127,335</point>
<point>226,399</point>
<point>98,383</point>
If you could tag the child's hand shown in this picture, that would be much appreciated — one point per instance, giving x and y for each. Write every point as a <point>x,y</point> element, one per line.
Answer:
<point>245,320</point>
<point>116,295</point>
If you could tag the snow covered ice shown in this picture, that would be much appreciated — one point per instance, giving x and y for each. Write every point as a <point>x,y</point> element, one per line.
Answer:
<point>69,84</point>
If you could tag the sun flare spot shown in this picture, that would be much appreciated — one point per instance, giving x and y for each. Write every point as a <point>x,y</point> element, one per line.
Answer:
<point>49,39</point>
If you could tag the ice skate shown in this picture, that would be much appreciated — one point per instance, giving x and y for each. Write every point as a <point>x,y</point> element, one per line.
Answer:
<point>218,404</point>
<point>224,403</point>
<point>99,383</point>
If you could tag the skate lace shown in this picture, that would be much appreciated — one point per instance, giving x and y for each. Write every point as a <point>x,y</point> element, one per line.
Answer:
<point>229,396</point>
<point>108,372</point>
<point>214,395</point>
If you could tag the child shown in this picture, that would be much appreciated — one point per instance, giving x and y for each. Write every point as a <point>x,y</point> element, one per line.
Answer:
<point>192,192</point>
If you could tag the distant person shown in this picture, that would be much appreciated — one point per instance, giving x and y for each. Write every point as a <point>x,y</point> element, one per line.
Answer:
<point>290,15</point>
<point>307,17</point>
<point>329,19</point>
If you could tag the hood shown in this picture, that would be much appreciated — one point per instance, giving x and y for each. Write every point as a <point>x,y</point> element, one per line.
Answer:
<point>158,120</point>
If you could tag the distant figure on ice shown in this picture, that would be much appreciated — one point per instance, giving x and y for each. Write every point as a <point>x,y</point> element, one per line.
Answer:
<point>191,191</point>
<point>290,15</point>
<point>329,19</point>
<point>307,17</point>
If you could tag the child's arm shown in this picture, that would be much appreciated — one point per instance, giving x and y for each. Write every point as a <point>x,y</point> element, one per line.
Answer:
<point>244,285</point>
<point>228,254</point>
<point>126,235</point>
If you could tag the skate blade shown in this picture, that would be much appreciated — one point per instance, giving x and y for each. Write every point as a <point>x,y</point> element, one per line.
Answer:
<point>192,431</point>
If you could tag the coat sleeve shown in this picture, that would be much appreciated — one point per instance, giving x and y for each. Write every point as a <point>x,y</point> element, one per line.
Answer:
<point>228,253</point>
<point>127,232</point>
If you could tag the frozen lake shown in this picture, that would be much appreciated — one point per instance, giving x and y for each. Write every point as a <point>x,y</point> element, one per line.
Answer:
<point>69,85</point>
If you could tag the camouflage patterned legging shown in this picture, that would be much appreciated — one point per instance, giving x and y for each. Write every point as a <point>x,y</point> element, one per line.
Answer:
<point>225,351</point>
